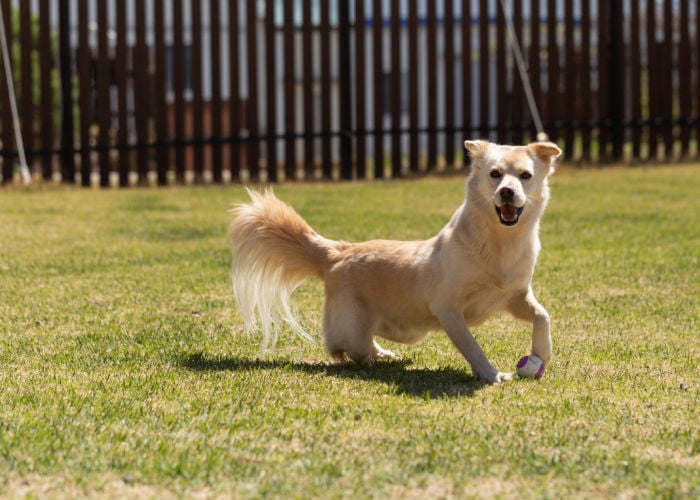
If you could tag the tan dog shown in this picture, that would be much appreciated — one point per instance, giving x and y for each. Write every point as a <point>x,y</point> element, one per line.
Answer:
<point>481,262</point>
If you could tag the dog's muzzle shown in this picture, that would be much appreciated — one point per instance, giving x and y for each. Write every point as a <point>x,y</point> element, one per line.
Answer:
<point>509,214</point>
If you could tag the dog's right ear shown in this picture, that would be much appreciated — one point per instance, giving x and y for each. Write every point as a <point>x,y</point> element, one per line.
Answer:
<point>477,149</point>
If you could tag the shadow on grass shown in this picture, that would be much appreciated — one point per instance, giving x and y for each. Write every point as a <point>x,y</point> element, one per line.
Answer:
<point>420,382</point>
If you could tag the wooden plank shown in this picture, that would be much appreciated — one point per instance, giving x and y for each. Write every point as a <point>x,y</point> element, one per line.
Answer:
<point>413,86</point>
<point>85,100</point>
<point>518,102</point>
<point>502,101</point>
<point>122,83</point>
<point>378,54</point>
<point>345,91</point>
<point>668,75</point>
<point>570,108</point>
<point>360,88</point>
<point>449,106</point>
<point>652,69</point>
<point>466,75</point>
<point>271,83</point>
<point>216,102</point>
<point>104,110</point>
<point>584,81</point>
<point>634,68</point>
<point>253,145</point>
<point>197,92</point>
<point>395,97</point>
<point>432,89</point>
<point>289,90</point>
<point>534,56</point>
<point>234,90</point>
<point>142,94</point>
<point>26,104</point>
<point>8,139</point>
<point>179,90</point>
<point>551,110</point>
<point>603,80</point>
<point>47,107</point>
<point>309,105</point>
<point>161,89</point>
<point>685,65</point>
<point>326,104</point>
<point>484,59</point>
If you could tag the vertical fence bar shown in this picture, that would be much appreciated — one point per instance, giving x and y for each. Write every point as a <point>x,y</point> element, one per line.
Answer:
<point>449,102</point>
<point>345,91</point>
<point>570,111</point>
<point>253,144</point>
<point>502,109</point>
<point>413,158</point>
<point>696,51</point>
<point>85,100</point>
<point>26,104</point>
<point>289,89</point>
<point>395,89</point>
<point>617,78</point>
<point>179,89</point>
<point>517,115</point>
<point>685,79</point>
<point>121,74</point>
<point>585,81</point>
<point>668,77</point>
<point>271,85</point>
<point>234,90</point>
<point>196,56</point>
<point>142,98</point>
<point>46,55</point>
<point>635,65</point>
<point>466,75</point>
<point>326,104</point>
<point>604,53</point>
<point>652,91</point>
<point>104,109</point>
<point>378,55</point>
<point>534,55</point>
<point>160,89</point>
<point>216,102</point>
<point>360,86</point>
<point>5,114</point>
<point>307,42</point>
<point>553,68</point>
<point>432,85</point>
<point>484,59</point>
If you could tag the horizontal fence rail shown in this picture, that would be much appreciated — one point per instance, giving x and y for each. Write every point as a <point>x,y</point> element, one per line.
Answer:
<point>143,92</point>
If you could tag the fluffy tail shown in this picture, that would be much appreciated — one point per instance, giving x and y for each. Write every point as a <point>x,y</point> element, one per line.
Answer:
<point>274,250</point>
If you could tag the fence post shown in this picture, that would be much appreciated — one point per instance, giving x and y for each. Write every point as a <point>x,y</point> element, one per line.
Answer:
<point>617,78</point>
<point>345,91</point>
<point>67,139</point>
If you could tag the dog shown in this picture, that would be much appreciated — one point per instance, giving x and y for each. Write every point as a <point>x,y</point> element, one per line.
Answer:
<point>481,262</point>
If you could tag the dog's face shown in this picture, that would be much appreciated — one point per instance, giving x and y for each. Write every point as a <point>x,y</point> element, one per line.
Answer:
<point>511,177</point>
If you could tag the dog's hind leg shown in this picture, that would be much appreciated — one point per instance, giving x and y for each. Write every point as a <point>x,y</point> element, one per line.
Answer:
<point>346,331</point>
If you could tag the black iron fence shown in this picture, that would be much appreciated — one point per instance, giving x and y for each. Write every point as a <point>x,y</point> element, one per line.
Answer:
<point>122,92</point>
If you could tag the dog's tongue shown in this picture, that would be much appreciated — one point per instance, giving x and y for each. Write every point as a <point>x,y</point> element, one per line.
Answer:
<point>509,213</point>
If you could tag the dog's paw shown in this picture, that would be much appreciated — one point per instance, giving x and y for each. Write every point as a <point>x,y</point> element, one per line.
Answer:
<point>500,377</point>
<point>386,355</point>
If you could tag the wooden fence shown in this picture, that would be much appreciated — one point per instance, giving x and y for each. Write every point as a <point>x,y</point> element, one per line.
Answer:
<point>123,92</point>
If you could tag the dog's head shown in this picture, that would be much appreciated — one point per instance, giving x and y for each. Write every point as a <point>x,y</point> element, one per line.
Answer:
<point>511,177</point>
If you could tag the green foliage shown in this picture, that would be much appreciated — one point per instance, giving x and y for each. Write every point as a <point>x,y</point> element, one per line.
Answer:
<point>122,372</point>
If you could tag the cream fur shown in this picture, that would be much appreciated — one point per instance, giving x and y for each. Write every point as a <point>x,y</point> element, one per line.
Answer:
<point>481,262</point>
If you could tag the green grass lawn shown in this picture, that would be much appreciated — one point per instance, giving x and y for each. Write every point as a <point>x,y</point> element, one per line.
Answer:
<point>123,373</point>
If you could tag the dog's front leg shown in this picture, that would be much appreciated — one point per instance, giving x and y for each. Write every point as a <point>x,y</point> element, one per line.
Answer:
<point>527,308</point>
<point>452,322</point>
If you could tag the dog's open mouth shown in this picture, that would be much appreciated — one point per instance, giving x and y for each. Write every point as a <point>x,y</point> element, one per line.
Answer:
<point>509,214</point>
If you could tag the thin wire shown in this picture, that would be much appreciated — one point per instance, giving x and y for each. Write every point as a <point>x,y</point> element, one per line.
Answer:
<point>522,69</point>
<point>23,167</point>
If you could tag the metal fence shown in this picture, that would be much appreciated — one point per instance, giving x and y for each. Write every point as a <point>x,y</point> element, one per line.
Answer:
<point>124,92</point>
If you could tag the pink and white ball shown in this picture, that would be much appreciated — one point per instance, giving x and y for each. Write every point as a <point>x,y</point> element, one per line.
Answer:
<point>530,367</point>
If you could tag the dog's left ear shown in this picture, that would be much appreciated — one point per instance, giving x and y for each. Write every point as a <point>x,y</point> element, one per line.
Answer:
<point>545,151</point>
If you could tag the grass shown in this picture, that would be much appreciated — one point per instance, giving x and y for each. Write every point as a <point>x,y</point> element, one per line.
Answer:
<point>122,374</point>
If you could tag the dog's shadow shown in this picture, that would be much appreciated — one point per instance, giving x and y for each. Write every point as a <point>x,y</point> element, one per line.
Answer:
<point>425,383</point>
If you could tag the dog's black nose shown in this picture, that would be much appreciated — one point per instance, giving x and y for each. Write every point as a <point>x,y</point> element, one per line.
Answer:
<point>507,194</point>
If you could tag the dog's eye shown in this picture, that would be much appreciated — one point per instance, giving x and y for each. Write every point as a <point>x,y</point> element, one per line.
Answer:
<point>525,175</point>
<point>495,174</point>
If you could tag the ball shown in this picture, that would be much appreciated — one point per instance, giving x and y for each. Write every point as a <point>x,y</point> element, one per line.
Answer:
<point>530,367</point>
